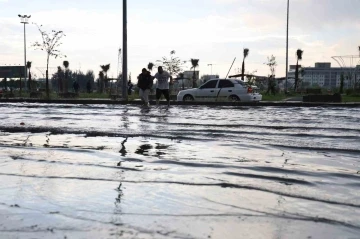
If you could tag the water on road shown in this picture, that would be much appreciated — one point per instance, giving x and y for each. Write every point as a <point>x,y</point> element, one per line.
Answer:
<point>84,171</point>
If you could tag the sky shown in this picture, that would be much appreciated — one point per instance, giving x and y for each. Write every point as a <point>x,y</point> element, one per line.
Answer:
<point>213,31</point>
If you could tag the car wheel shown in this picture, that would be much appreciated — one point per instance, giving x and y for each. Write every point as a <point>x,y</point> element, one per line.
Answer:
<point>234,98</point>
<point>188,98</point>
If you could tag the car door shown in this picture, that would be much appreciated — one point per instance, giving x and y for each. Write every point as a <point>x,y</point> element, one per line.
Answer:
<point>226,88</point>
<point>208,91</point>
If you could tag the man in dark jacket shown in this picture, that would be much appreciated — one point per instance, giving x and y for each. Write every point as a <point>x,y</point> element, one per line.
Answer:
<point>145,82</point>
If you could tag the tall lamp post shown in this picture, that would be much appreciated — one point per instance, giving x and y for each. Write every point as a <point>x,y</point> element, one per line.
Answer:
<point>24,20</point>
<point>211,67</point>
<point>287,46</point>
<point>124,50</point>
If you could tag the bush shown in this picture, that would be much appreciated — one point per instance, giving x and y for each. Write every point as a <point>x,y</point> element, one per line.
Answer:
<point>353,92</point>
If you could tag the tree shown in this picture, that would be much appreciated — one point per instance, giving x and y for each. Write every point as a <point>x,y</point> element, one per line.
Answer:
<point>90,77</point>
<point>250,78</point>
<point>101,82</point>
<point>246,53</point>
<point>302,72</point>
<point>64,83</point>
<point>105,69</point>
<point>50,44</point>
<point>299,54</point>
<point>194,64</point>
<point>150,66</point>
<point>56,78</point>
<point>173,64</point>
<point>342,83</point>
<point>28,66</point>
<point>271,63</point>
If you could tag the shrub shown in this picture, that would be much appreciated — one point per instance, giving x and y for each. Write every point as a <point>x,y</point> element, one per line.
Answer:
<point>353,92</point>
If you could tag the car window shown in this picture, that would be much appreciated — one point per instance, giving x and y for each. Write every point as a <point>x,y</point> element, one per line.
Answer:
<point>209,84</point>
<point>225,84</point>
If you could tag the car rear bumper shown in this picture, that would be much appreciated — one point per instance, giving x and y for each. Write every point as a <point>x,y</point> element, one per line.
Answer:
<point>251,98</point>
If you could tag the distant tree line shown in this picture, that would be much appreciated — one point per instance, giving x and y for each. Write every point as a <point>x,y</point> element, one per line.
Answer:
<point>63,80</point>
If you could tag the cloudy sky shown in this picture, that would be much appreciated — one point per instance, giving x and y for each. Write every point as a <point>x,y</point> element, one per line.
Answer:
<point>214,31</point>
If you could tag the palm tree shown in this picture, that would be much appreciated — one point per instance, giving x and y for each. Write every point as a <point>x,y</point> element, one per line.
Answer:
<point>105,69</point>
<point>59,78</point>
<point>299,54</point>
<point>101,80</point>
<point>194,63</point>
<point>65,81</point>
<point>150,66</point>
<point>246,53</point>
<point>342,83</point>
<point>28,66</point>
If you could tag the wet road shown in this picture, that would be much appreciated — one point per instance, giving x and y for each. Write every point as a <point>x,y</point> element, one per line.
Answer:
<point>80,171</point>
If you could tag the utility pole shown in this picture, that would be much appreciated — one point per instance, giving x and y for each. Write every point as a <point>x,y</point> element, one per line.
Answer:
<point>119,63</point>
<point>24,20</point>
<point>118,78</point>
<point>211,67</point>
<point>124,50</point>
<point>287,46</point>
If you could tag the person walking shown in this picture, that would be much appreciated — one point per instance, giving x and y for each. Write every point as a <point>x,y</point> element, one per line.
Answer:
<point>130,86</point>
<point>145,83</point>
<point>162,85</point>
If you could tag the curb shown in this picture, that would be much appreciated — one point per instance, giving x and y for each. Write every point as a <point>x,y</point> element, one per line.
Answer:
<point>122,102</point>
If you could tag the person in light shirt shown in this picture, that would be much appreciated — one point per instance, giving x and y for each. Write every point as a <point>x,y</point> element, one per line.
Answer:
<point>162,85</point>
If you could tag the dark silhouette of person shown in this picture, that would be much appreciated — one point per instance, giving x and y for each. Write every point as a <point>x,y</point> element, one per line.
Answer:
<point>130,86</point>
<point>145,83</point>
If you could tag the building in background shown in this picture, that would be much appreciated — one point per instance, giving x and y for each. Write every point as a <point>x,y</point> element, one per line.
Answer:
<point>291,73</point>
<point>325,76</point>
<point>205,78</point>
<point>190,74</point>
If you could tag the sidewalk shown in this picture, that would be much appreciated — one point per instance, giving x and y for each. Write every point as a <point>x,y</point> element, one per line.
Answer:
<point>138,102</point>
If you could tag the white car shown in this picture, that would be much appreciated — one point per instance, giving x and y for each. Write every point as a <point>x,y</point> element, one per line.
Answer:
<point>221,90</point>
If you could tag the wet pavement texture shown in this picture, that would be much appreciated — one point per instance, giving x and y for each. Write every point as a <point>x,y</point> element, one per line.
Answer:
<point>83,171</point>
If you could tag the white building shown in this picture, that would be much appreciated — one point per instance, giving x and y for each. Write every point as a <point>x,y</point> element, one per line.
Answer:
<point>323,75</point>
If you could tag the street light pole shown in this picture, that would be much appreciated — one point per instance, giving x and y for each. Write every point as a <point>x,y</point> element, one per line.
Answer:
<point>287,46</point>
<point>24,20</point>
<point>124,50</point>
<point>211,67</point>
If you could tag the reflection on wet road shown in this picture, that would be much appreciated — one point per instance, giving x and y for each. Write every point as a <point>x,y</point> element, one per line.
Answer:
<point>82,171</point>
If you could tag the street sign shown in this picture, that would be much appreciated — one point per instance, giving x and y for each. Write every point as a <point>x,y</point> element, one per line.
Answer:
<point>12,72</point>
